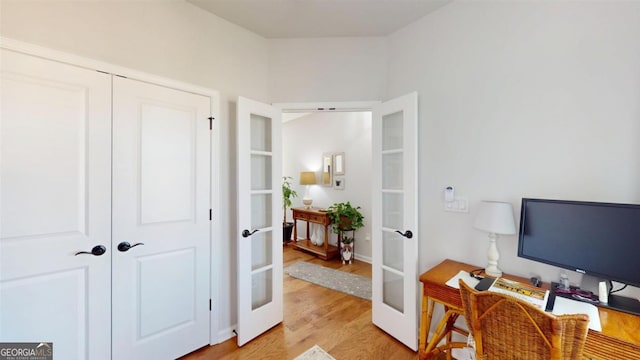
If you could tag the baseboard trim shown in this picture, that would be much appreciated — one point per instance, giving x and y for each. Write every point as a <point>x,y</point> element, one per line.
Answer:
<point>363,258</point>
<point>225,334</point>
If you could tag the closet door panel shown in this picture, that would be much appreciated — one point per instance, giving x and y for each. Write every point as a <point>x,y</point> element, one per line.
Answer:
<point>161,186</point>
<point>55,201</point>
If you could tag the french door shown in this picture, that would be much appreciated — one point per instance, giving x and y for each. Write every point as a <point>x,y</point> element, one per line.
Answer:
<point>395,218</point>
<point>259,231</point>
<point>55,206</point>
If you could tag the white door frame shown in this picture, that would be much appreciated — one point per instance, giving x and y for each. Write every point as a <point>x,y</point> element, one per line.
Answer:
<point>337,107</point>
<point>215,227</point>
<point>326,106</point>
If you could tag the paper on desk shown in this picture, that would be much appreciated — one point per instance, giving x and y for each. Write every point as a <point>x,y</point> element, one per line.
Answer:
<point>464,275</point>
<point>564,306</point>
<point>529,293</point>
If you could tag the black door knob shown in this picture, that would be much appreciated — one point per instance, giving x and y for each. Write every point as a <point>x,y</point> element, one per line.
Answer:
<point>408,234</point>
<point>246,233</point>
<point>96,251</point>
<point>125,246</point>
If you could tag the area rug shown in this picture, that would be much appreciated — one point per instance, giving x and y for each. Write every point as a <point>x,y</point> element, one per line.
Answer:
<point>315,353</point>
<point>345,282</point>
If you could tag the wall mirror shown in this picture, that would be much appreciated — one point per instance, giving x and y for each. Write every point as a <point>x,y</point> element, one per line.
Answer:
<point>326,169</point>
<point>338,164</point>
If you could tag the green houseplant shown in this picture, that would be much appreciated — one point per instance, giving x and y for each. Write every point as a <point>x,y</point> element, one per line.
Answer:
<point>287,194</point>
<point>345,217</point>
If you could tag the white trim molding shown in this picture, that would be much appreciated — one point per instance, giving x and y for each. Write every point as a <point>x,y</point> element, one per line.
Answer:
<point>326,106</point>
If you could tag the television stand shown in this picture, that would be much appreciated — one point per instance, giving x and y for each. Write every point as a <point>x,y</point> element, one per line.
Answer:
<point>624,304</point>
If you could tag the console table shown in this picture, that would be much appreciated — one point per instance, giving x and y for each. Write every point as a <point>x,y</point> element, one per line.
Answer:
<point>313,215</point>
<point>619,339</point>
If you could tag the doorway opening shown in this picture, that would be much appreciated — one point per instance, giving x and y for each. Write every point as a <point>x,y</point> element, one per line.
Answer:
<point>313,132</point>
<point>393,179</point>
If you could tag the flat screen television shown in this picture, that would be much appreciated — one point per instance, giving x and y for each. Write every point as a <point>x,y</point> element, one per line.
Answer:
<point>597,239</point>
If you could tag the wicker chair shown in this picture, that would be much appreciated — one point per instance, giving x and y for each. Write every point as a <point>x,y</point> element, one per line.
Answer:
<point>505,327</point>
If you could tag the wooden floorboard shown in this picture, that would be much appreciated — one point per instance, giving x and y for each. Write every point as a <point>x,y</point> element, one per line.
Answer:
<point>339,323</point>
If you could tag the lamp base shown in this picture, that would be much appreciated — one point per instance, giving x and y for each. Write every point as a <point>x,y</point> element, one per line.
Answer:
<point>307,203</point>
<point>493,271</point>
<point>493,256</point>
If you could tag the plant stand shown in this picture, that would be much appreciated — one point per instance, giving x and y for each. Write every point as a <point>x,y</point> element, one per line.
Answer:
<point>346,250</point>
<point>287,231</point>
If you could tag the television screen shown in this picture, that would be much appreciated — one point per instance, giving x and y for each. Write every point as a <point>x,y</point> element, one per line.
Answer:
<point>598,239</point>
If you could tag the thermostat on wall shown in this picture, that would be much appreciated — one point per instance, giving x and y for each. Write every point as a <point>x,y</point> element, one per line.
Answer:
<point>449,194</point>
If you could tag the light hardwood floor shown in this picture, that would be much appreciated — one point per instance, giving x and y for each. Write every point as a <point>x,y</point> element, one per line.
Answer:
<point>339,323</point>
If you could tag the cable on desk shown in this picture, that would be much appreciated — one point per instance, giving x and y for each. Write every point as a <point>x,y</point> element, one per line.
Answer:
<point>611,291</point>
<point>477,276</point>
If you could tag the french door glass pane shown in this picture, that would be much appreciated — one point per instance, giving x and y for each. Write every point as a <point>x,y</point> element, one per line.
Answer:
<point>260,133</point>
<point>393,250</point>
<point>261,172</point>
<point>392,131</point>
<point>392,171</point>
<point>392,210</point>
<point>393,290</point>
<point>261,288</point>
<point>261,249</point>
<point>261,211</point>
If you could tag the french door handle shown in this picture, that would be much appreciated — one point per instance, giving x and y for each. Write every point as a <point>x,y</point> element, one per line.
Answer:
<point>125,246</point>
<point>246,233</point>
<point>408,234</point>
<point>96,251</point>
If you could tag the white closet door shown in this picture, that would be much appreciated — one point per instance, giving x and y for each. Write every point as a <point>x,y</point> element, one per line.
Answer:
<point>55,201</point>
<point>161,167</point>
<point>395,218</point>
<point>259,235</point>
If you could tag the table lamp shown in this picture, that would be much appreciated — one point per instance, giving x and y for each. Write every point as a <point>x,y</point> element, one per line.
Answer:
<point>496,218</point>
<point>307,178</point>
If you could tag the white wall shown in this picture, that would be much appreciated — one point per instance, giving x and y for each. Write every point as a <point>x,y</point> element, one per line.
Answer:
<point>167,38</point>
<point>307,138</point>
<point>335,69</point>
<point>520,100</point>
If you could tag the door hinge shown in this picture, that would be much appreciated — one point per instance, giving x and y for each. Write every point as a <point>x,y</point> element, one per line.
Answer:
<point>211,118</point>
<point>209,304</point>
<point>210,214</point>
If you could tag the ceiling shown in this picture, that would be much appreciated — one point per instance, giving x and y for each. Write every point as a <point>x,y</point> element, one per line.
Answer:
<point>320,18</point>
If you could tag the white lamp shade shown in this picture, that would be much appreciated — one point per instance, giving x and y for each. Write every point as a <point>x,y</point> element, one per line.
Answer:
<point>495,217</point>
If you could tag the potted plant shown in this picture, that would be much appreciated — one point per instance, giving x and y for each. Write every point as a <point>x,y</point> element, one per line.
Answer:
<point>345,218</point>
<point>287,194</point>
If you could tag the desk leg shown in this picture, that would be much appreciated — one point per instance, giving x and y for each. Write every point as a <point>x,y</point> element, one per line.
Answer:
<point>431,344</point>
<point>451,320</point>
<point>425,322</point>
<point>445,326</point>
